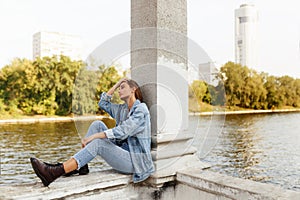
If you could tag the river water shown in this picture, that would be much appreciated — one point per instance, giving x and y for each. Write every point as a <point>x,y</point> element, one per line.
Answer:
<point>259,147</point>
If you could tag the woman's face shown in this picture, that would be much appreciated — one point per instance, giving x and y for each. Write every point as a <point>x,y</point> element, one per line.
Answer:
<point>125,91</point>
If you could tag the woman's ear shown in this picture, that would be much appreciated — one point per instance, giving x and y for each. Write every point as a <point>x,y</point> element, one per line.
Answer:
<point>133,90</point>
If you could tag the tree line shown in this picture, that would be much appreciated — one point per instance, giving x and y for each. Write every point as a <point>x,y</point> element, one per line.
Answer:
<point>46,86</point>
<point>240,86</point>
<point>61,86</point>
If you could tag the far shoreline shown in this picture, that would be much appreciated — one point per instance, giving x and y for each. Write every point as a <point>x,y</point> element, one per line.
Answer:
<point>46,119</point>
<point>241,112</point>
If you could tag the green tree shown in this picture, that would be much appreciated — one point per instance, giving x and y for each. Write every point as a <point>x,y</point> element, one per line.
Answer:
<point>40,87</point>
<point>287,90</point>
<point>14,83</point>
<point>53,87</point>
<point>244,87</point>
<point>255,91</point>
<point>199,90</point>
<point>67,69</point>
<point>218,96</point>
<point>90,83</point>
<point>273,97</point>
<point>233,76</point>
<point>297,92</point>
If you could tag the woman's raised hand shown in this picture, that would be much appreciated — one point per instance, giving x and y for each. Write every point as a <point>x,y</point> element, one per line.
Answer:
<point>112,90</point>
<point>120,81</point>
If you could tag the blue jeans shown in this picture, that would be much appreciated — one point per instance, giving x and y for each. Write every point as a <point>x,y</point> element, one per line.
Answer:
<point>117,157</point>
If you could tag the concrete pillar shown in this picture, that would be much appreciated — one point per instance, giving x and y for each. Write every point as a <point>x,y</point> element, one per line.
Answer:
<point>159,65</point>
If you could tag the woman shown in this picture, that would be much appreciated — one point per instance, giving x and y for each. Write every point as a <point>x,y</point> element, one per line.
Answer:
<point>126,147</point>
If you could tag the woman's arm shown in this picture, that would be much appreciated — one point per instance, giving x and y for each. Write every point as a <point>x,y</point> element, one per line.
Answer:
<point>131,126</point>
<point>112,90</point>
<point>105,98</point>
<point>102,135</point>
<point>87,140</point>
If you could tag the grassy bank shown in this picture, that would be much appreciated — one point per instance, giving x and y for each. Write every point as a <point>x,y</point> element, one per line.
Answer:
<point>201,107</point>
<point>193,108</point>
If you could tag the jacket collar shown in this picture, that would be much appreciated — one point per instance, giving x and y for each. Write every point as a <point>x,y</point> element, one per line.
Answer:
<point>137,102</point>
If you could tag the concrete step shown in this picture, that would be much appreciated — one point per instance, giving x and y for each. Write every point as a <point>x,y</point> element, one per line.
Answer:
<point>102,183</point>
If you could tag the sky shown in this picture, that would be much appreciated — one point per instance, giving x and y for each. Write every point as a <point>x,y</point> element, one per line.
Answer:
<point>210,25</point>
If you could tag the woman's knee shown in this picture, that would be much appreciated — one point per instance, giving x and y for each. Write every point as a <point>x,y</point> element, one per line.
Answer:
<point>99,125</point>
<point>97,145</point>
<point>96,127</point>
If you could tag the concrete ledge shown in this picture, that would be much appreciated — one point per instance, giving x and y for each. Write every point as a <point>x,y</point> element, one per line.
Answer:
<point>166,169</point>
<point>192,183</point>
<point>171,137</point>
<point>104,183</point>
<point>226,187</point>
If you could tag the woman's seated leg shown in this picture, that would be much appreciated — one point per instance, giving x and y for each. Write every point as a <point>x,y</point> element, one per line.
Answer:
<point>96,127</point>
<point>115,156</point>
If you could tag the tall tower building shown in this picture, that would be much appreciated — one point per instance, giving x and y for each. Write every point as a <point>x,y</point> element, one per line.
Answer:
<point>54,43</point>
<point>246,35</point>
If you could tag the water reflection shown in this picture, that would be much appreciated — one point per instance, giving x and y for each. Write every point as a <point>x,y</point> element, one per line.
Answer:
<point>243,152</point>
<point>261,148</point>
<point>258,147</point>
<point>51,142</point>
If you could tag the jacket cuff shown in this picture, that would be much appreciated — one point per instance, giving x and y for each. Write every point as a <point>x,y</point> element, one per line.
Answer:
<point>109,134</point>
<point>105,97</point>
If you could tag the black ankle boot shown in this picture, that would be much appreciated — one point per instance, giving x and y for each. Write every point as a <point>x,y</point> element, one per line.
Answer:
<point>53,165</point>
<point>66,174</point>
<point>71,173</point>
<point>47,173</point>
<point>84,170</point>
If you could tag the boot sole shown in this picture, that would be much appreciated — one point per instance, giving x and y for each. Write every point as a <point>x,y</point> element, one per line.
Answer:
<point>37,172</point>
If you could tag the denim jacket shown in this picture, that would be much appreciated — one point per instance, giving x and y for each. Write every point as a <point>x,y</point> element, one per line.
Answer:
<point>133,125</point>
